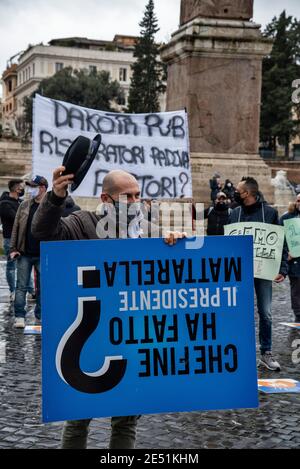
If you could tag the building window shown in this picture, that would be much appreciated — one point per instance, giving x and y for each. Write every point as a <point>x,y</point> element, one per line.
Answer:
<point>123,74</point>
<point>33,70</point>
<point>93,69</point>
<point>58,66</point>
<point>10,86</point>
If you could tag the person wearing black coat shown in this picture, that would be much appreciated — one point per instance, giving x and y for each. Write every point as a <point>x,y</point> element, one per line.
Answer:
<point>253,208</point>
<point>9,204</point>
<point>294,263</point>
<point>217,216</point>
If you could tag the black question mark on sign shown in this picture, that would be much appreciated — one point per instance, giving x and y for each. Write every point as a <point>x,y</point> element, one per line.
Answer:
<point>184,182</point>
<point>70,348</point>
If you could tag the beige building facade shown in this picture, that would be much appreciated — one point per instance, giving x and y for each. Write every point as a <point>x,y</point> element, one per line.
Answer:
<point>39,62</point>
<point>9,103</point>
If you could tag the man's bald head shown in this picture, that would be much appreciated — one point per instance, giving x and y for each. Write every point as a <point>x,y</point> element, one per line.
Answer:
<point>117,183</point>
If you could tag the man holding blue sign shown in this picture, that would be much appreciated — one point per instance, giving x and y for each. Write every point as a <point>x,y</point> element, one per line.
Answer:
<point>253,208</point>
<point>168,330</point>
<point>48,225</point>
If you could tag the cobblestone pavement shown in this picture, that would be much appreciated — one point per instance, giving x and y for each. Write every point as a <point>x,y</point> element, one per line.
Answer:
<point>274,425</point>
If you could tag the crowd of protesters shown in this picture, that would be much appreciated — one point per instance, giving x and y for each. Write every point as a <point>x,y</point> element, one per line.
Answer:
<point>229,204</point>
<point>21,248</point>
<point>39,217</point>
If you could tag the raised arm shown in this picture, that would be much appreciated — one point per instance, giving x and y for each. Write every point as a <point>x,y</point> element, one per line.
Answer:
<point>47,223</point>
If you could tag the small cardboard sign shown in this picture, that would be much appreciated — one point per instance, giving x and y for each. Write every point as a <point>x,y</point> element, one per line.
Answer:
<point>268,243</point>
<point>292,233</point>
<point>278,386</point>
<point>293,325</point>
<point>33,330</point>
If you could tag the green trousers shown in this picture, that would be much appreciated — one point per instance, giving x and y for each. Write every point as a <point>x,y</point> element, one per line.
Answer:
<point>123,432</point>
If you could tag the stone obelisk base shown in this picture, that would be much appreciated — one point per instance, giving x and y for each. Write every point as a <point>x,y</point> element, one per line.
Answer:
<point>214,72</point>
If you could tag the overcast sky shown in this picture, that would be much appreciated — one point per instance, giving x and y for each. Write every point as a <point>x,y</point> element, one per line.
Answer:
<point>24,22</point>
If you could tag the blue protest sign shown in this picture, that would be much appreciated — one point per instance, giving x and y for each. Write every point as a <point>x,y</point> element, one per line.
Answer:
<point>135,327</point>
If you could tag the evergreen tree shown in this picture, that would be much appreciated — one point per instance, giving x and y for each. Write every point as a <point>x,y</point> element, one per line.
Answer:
<point>279,115</point>
<point>88,89</point>
<point>148,72</point>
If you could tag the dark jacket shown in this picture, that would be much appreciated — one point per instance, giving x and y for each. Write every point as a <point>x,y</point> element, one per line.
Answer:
<point>8,211</point>
<point>4,195</point>
<point>48,224</point>
<point>70,207</point>
<point>294,264</point>
<point>217,219</point>
<point>260,212</point>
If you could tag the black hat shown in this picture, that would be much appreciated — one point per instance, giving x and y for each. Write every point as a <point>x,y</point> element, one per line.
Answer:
<point>79,158</point>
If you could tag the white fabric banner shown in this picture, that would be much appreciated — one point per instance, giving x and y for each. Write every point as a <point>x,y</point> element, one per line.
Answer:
<point>153,147</point>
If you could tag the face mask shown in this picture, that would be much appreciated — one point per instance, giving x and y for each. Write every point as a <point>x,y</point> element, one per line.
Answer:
<point>238,198</point>
<point>229,185</point>
<point>21,193</point>
<point>129,217</point>
<point>33,192</point>
<point>221,207</point>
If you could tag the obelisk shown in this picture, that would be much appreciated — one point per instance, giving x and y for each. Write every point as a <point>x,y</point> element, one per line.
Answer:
<point>215,72</point>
